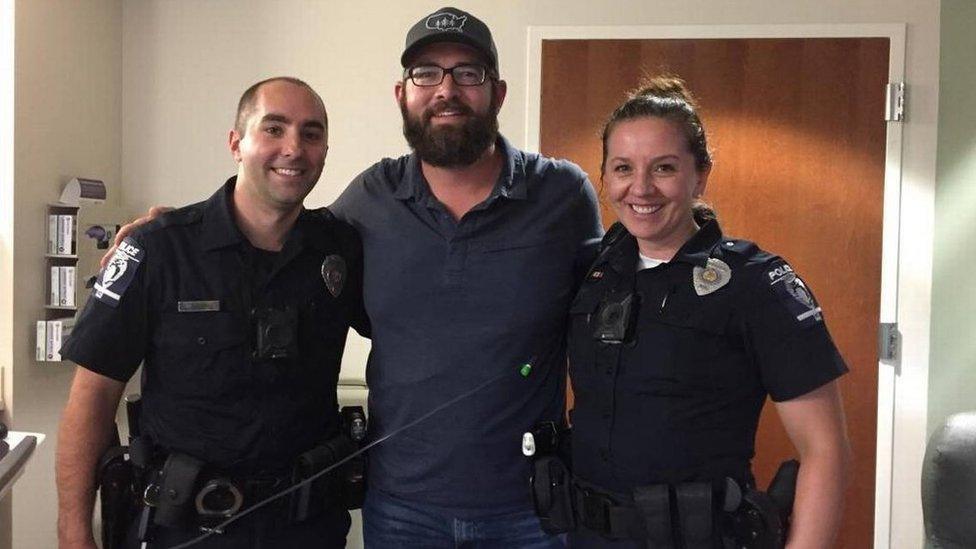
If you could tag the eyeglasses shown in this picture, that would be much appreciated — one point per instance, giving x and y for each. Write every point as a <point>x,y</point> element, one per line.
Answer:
<point>433,75</point>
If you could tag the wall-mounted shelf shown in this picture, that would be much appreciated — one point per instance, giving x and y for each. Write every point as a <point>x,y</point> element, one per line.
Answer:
<point>60,304</point>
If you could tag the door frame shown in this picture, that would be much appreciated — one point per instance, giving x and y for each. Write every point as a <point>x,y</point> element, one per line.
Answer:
<point>902,400</point>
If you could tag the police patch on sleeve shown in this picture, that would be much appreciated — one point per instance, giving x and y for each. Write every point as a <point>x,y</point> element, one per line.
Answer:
<point>793,293</point>
<point>119,273</point>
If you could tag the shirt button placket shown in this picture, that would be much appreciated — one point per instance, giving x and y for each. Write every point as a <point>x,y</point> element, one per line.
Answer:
<point>457,253</point>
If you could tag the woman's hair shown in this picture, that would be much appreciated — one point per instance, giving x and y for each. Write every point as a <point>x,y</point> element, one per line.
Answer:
<point>667,97</point>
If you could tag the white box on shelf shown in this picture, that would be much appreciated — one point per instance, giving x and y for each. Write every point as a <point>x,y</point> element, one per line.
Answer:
<point>55,294</point>
<point>52,234</point>
<point>53,340</point>
<point>40,344</point>
<point>66,234</point>
<point>68,286</point>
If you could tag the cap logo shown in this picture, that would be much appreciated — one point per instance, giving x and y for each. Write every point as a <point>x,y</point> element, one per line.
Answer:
<point>445,21</point>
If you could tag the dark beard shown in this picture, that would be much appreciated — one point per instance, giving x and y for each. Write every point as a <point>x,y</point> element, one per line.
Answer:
<point>448,147</point>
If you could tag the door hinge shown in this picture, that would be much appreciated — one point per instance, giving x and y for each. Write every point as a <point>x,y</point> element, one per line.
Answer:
<point>888,341</point>
<point>895,101</point>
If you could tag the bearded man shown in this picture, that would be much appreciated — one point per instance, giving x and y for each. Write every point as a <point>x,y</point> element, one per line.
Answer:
<point>473,250</point>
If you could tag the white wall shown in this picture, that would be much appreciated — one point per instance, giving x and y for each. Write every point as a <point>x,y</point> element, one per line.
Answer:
<point>67,123</point>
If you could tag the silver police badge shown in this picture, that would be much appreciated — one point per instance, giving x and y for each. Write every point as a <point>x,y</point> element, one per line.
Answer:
<point>715,274</point>
<point>334,274</point>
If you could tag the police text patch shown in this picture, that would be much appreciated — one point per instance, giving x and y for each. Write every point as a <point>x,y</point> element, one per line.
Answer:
<point>793,293</point>
<point>118,274</point>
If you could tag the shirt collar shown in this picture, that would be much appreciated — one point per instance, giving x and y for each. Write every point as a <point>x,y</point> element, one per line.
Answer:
<point>510,184</point>
<point>219,228</point>
<point>695,251</point>
<point>699,247</point>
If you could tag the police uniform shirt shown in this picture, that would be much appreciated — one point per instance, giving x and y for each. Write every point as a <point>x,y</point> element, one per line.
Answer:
<point>680,398</point>
<point>178,296</point>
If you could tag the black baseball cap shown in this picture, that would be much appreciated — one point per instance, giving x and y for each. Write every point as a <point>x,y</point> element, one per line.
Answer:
<point>451,25</point>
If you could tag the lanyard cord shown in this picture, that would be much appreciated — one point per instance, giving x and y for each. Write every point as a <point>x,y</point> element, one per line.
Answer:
<point>524,371</point>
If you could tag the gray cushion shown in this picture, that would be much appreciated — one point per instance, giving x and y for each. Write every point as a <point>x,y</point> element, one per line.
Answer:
<point>949,484</point>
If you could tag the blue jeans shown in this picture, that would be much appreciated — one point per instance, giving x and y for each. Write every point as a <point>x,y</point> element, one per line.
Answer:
<point>391,522</point>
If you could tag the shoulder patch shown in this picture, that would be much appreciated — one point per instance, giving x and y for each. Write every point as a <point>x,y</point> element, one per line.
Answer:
<point>118,274</point>
<point>793,293</point>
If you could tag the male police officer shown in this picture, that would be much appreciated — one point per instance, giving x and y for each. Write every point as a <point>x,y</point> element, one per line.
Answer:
<point>239,307</point>
<point>474,249</point>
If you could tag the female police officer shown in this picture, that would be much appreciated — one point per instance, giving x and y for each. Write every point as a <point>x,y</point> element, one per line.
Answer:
<point>678,334</point>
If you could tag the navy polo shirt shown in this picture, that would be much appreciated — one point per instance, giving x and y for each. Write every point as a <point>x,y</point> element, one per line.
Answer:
<point>454,304</point>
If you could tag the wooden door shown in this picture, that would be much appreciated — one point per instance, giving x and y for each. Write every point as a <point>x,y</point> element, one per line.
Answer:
<point>798,133</point>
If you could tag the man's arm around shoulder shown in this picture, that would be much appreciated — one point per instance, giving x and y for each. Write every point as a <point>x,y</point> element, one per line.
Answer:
<point>84,434</point>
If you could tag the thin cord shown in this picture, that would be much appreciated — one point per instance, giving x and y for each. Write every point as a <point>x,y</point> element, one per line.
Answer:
<point>330,468</point>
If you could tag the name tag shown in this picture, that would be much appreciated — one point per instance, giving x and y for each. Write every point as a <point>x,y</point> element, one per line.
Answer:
<point>197,306</point>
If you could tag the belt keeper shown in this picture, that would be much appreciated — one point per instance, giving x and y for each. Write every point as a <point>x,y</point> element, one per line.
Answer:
<point>654,503</point>
<point>694,502</point>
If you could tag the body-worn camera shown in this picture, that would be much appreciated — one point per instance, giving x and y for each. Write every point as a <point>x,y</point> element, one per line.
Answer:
<point>614,319</point>
<point>276,332</point>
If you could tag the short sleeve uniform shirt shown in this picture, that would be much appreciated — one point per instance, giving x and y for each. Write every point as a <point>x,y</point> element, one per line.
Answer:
<point>715,330</point>
<point>183,305</point>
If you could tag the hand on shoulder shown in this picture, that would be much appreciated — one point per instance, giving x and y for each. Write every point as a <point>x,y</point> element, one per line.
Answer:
<point>127,229</point>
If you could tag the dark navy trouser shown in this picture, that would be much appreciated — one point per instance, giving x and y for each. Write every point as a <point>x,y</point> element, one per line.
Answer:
<point>392,522</point>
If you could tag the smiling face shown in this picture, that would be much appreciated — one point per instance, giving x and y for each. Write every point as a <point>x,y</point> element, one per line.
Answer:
<point>651,181</point>
<point>282,150</point>
<point>447,124</point>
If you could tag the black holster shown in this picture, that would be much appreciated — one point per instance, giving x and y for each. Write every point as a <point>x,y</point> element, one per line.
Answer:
<point>177,487</point>
<point>343,486</point>
<point>762,519</point>
<point>119,502</point>
<point>552,494</point>
<point>346,486</point>
<point>119,478</point>
<point>552,477</point>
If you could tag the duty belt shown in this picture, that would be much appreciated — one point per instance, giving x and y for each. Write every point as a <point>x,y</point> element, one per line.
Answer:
<point>648,513</point>
<point>607,515</point>
<point>185,492</point>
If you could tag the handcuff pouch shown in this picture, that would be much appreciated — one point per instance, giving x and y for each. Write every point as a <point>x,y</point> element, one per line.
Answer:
<point>177,487</point>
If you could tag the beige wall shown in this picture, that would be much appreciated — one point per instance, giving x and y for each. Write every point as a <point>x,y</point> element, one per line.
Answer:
<point>952,381</point>
<point>177,68</point>
<point>6,229</point>
<point>67,122</point>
